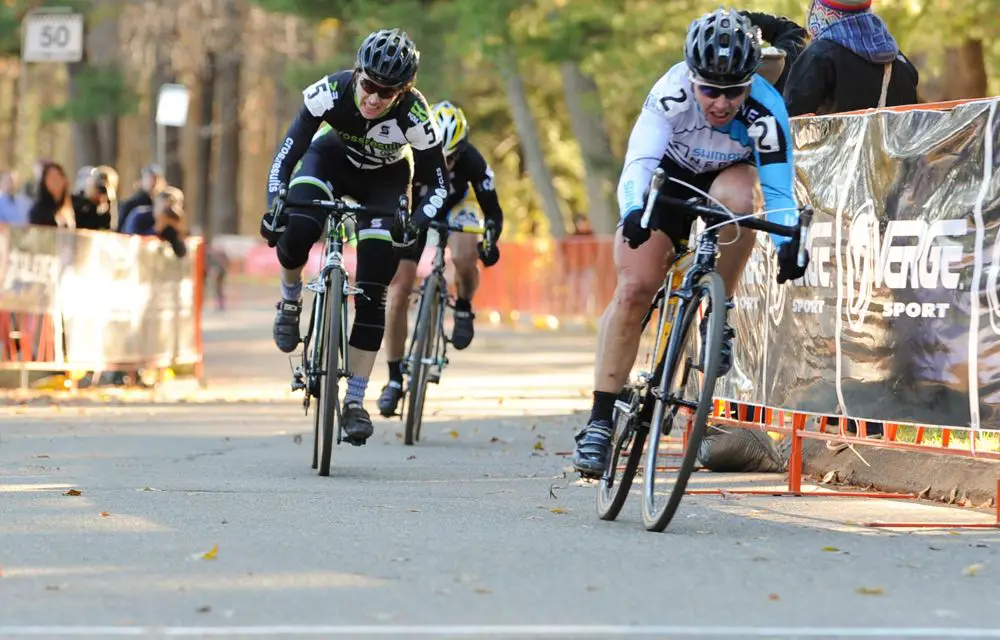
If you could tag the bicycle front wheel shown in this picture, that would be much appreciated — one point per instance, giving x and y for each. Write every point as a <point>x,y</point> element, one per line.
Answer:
<point>330,397</point>
<point>690,372</point>
<point>423,348</point>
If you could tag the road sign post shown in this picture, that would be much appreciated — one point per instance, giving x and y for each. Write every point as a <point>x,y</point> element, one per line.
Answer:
<point>171,111</point>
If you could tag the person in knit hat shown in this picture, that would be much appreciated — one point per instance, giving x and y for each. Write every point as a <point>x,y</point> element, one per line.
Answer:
<point>852,57</point>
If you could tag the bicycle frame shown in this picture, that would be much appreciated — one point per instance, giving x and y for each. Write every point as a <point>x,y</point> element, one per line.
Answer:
<point>332,258</point>
<point>440,349</point>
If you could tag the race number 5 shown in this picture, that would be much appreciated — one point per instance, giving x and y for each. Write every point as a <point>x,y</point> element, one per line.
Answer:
<point>764,133</point>
<point>318,98</point>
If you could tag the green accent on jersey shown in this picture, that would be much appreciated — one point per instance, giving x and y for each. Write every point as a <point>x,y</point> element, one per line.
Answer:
<point>419,112</point>
<point>322,131</point>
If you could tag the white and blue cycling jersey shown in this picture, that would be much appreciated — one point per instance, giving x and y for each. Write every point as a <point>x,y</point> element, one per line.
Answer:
<point>672,124</point>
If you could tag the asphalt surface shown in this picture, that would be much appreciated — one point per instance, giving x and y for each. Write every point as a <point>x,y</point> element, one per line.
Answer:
<point>478,531</point>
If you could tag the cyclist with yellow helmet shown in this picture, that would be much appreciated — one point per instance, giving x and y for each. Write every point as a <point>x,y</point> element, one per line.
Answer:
<point>466,166</point>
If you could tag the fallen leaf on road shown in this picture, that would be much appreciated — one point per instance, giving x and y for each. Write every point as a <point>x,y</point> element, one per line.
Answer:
<point>43,455</point>
<point>204,609</point>
<point>591,587</point>
<point>539,445</point>
<point>453,434</point>
<point>559,510</point>
<point>148,489</point>
<point>483,590</point>
<point>73,492</point>
<point>972,570</point>
<point>414,510</point>
<point>933,548</point>
<point>105,514</point>
<point>830,549</point>
<point>411,457</point>
<point>297,439</point>
<point>870,591</point>
<point>773,596</point>
<point>211,553</point>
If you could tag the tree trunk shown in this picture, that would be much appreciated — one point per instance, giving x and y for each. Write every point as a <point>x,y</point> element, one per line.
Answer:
<point>599,163</point>
<point>14,130</point>
<point>966,76</point>
<point>164,73</point>
<point>103,46</point>
<point>86,139</point>
<point>202,209</point>
<point>225,188</point>
<point>534,156</point>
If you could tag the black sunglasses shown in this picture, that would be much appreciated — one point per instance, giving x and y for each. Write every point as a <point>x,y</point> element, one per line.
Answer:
<point>731,93</point>
<point>383,92</point>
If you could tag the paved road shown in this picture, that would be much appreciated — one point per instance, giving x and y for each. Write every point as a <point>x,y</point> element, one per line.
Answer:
<point>474,526</point>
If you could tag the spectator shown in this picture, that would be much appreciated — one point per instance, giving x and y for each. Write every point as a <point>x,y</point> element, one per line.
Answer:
<point>852,63</point>
<point>152,182</point>
<point>95,195</point>
<point>165,219</point>
<point>14,206</point>
<point>30,187</point>
<point>787,40</point>
<point>55,206</point>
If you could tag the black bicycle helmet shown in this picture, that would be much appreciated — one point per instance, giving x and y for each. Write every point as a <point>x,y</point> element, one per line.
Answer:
<point>389,57</point>
<point>722,48</point>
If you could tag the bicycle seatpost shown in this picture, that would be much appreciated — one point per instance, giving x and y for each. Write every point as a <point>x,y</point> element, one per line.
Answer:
<point>654,189</point>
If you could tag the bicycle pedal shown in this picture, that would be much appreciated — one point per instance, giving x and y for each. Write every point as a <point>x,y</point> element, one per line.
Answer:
<point>298,385</point>
<point>356,442</point>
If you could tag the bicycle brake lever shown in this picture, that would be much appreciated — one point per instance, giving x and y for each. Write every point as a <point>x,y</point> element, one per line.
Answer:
<point>805,221</point>
<point>659,176</point>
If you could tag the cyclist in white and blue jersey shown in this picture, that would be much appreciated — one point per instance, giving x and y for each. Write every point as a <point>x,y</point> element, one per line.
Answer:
<point>716,125</point>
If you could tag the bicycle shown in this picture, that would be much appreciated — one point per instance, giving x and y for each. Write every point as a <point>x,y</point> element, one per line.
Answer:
<point>328,322</point>
<point>427,356</point>
<point>650,402</point>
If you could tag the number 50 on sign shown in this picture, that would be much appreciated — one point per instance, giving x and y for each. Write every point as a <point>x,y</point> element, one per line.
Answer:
<point>52,37</point>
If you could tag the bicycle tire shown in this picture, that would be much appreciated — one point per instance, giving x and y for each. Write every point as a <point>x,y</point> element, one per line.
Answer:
<point>611,495</point>
<point>710,285</point>
<point>308,358</point>
<point>419,369</point>
<point>331,361</point>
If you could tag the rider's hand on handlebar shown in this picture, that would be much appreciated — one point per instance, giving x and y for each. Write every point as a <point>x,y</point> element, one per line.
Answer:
<point>632,229</point>
<point>489,252</point>
<point>788,265</point>
<point>274,221</point>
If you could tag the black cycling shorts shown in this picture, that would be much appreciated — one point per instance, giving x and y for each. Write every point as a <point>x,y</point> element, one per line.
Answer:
<point>678,228</point>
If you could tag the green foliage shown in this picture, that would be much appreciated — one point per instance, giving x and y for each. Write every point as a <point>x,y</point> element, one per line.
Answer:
<point>102,91</point>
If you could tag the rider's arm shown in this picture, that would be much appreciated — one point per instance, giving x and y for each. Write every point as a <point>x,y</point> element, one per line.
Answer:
<point>771,138</point>
<point>318,99</point>
<point>646,146</point>
<point>425,139</point>
<point>481,176</point>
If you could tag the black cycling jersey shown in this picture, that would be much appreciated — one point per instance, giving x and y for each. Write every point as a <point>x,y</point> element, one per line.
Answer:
<point>470,168</point>
<point>369,144</point>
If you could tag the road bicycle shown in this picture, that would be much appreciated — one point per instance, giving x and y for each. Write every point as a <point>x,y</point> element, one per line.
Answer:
<point>649,405</point>
<point>427,356</point>
<point>324,347</point>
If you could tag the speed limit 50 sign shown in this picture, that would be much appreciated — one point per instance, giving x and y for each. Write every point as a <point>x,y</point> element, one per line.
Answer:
<point>52,37</point>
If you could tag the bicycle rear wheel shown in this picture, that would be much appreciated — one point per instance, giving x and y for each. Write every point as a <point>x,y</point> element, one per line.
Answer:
<point>329,396</point>
<point>687,368</point>
<point>423,347</point>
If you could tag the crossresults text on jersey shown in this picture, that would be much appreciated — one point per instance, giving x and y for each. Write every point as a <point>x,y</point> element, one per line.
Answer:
<point>672,124</point>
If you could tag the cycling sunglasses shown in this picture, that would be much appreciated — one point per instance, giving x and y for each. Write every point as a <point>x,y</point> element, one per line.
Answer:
<point>731,93</point>
<point>383,92</point>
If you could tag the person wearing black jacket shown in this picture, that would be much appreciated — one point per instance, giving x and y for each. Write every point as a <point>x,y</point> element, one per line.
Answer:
<point>851,62</point>
<point>142,200</point>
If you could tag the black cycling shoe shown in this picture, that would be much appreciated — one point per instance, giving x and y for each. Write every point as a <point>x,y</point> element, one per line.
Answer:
<point>286,325</point>
<point>357,424</point>
<point>593,449</point>
<point>462,334</point>
<point>388,402</point>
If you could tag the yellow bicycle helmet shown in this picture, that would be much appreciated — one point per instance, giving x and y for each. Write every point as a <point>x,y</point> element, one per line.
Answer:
<point>454,127</point>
